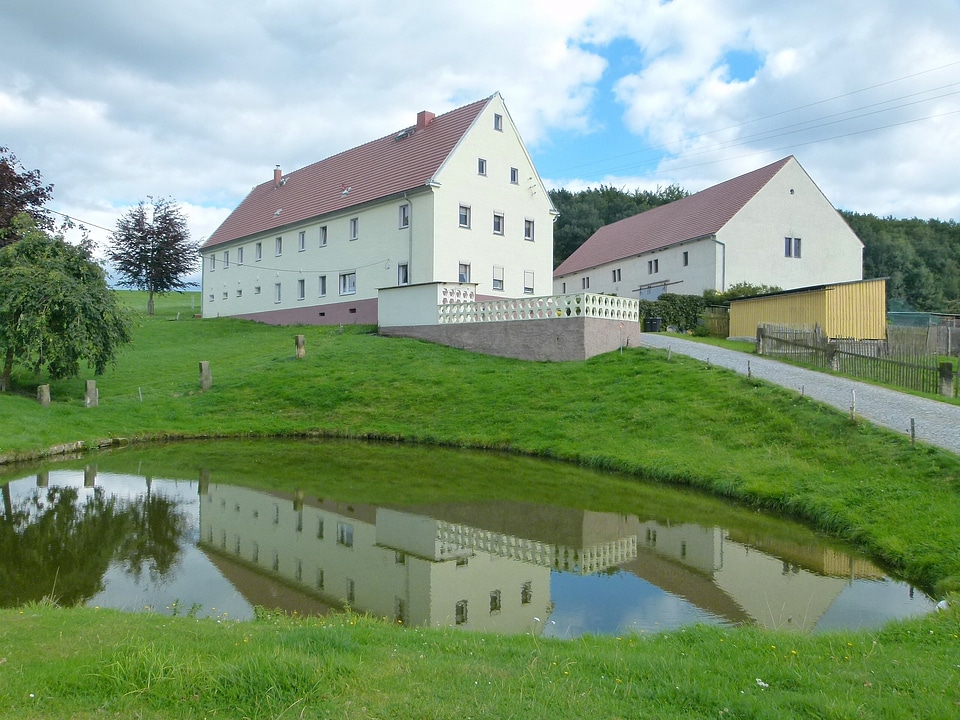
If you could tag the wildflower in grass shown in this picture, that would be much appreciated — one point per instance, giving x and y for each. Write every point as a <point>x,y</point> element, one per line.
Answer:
<point>762,684</point>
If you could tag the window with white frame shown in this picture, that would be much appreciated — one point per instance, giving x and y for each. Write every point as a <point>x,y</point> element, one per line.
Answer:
<point>301,288</point>
<point>323,236</point>
<point>404,217</point>
<point>585,282</point>
<point>322,286</point>
<point>239,256</point>
<point>514,176</point>
<point>791,247</point>
<point>226,258</point>
<point>481,166</point>
<point>403,274</point>
<point>213,263</point>
<point>653,266</point>
<point>464,216</point>
<point>302,241</point>
<point>528,282</point>
<point>686,258</point>
<point>345,534</point>
<point>258,252</point>
<point>278,246</point>
<point>498,122</point>
<point>616,275</point>
<point>348,283</point>
<point>276,293</point>
<point>498,223</point>
<point>497,277</point>
<point>354,228</point>
<point>463,273</point>
<point>528,230</point>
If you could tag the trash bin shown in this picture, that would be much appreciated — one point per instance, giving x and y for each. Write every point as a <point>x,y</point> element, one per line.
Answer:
<point>655,324</point>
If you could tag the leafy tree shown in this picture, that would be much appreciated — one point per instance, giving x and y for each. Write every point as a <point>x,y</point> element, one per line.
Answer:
<point>151,249</point>
<point>55,307</point>
<point>21,190</point>
<point>737,291</point>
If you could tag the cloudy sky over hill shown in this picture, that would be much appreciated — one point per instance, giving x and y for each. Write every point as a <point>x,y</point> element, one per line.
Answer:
<point>115,100</point>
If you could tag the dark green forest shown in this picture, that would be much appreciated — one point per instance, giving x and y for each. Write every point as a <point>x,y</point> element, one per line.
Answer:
<point>920,258</point>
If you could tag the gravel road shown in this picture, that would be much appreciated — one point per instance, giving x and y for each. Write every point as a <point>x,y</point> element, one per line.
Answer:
<point>935,423</point>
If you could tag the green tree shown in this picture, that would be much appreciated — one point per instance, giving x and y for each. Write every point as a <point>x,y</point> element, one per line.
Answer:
<point>151,249</point>
<point>55,307</point>
<point>21,190</point>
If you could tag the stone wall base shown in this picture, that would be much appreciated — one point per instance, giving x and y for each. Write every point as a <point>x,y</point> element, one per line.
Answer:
<point>555,340</point>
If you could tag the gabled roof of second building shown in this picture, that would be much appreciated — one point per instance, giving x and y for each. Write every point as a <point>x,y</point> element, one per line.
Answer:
<point>694,216</point>
<point>400,161</point>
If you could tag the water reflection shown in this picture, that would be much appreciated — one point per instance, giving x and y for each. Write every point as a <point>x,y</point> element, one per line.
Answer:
<point>128,541</point>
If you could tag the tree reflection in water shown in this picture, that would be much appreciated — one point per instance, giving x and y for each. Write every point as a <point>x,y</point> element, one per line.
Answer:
<point>57,545</point>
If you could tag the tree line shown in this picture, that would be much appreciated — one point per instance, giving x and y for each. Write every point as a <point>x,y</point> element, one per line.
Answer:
<point>919,258</point>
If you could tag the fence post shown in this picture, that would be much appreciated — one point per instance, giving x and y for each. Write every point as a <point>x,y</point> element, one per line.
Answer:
<point>206,379</point>
<point>91,397</point>
<point>301,346</point>
<point>946,379</point>
<point>759,340</point>
<point>43,395</point>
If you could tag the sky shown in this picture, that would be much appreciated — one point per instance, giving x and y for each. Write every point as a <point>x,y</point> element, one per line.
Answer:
<point>115,101</point>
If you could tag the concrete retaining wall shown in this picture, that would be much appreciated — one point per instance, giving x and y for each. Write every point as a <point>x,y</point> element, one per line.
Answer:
<point>558,339</point>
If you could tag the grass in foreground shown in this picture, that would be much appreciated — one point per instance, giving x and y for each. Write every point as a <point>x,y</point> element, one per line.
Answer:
<point>86,663</point>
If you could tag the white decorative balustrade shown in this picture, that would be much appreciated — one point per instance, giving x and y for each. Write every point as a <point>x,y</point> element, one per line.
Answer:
<point>455,310</point>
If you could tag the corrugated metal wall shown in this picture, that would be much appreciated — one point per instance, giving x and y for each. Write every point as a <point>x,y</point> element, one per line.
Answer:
<point>849,310</point>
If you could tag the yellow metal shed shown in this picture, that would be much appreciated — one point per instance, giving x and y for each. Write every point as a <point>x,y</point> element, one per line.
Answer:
<point>855,310</point>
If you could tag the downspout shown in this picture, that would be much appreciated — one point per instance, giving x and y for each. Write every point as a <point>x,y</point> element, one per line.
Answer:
<point>409,239</point>
<point>723,265</point>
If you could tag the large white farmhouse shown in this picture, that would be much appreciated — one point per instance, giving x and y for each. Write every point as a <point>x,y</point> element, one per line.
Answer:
<point>772,226</point>
<point>454,198</point>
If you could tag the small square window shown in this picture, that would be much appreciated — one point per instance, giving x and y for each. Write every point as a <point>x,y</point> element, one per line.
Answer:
<point>301,288</point>
<point>481,166</point>
<point>528,282</point>
<point>463,273</point>
<point>302,241</point>
<point>239,292</point>
<point>354,228</point>
<point>498,122</point>
<point>497,277</point>
<point>404,219</point>
<point>528,230</point>
<point>278,246</point>
<point>225,294</point>
<point>514,176</point>
<point>322,289</point>
<point>464,216</point>
<point>258,252</point>
<point>498,223</point>
<point>256,289</point>
<point>323,236</point>
<point>348,283</point>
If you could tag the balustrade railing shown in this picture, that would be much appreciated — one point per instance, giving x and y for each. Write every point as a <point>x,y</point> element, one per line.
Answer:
<point>549,307</point>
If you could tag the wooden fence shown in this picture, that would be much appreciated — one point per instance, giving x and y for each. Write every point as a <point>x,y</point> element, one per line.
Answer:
<point>900,365</point>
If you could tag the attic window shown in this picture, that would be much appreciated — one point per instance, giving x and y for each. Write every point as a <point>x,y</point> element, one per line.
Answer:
<point>279,210</point>
<point>403,134</point>
<point>498,122</point>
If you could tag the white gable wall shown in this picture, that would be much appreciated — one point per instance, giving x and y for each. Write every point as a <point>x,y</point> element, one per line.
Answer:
<point>790,206</point>
<point>461,184</point>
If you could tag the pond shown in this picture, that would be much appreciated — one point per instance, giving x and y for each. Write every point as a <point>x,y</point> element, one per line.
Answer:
<point>422,536</point>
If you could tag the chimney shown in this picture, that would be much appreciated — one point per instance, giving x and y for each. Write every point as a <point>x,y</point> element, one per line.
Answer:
<point>424,118</point>
<point>277,175</point>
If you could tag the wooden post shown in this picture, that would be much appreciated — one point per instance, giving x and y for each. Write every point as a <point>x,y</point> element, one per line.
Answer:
<point>91,397</point>
<point>946,379</point>
<point>759,340</point>
<point>301,346</point>
<point>43,395</point>
<point>206,379</point>
<point>833,362</point>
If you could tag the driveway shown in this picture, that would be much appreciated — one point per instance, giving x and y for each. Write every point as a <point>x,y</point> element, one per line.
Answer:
<point>935,423</point>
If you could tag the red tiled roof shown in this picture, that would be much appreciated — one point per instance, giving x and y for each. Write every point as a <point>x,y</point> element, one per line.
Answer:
<point>691,217</point>
<point>375,170</point>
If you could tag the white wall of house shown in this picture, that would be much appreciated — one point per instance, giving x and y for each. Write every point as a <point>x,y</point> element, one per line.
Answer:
<point>487,192</point>
<point>791,206</point>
